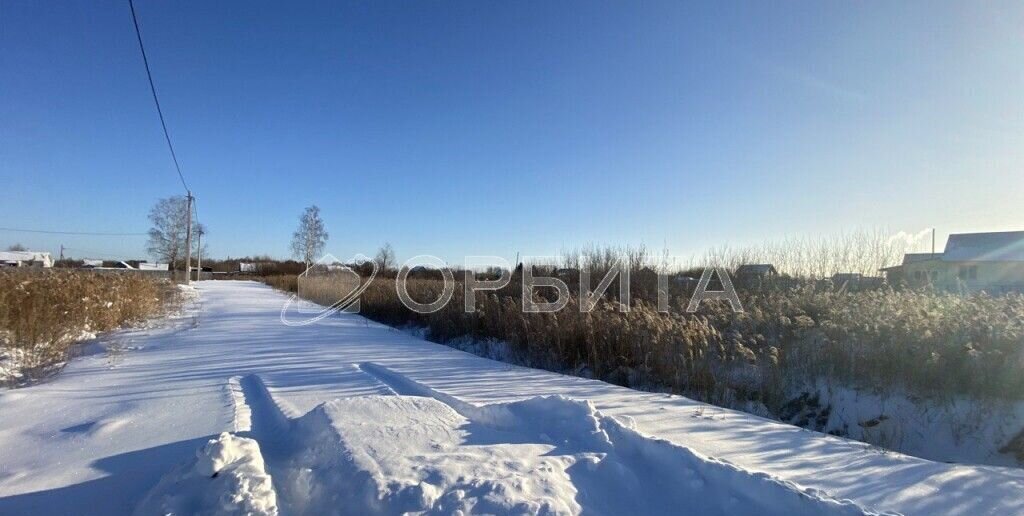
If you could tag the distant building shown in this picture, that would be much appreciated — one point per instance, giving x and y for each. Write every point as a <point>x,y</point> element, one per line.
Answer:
<point>25,259</point>
<point>685,282</point>
<point>107,265</point>
<point>846,277</point>
<point>755,271</point>
<point>971,262</point>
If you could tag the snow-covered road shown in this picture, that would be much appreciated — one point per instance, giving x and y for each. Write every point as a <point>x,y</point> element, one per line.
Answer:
<point>347,416</point>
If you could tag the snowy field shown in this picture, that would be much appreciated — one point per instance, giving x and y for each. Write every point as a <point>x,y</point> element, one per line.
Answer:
<point>228,411</point>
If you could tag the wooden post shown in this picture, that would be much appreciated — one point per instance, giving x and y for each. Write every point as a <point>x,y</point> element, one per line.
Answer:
<point>188,242</point>
<point>199,255</point>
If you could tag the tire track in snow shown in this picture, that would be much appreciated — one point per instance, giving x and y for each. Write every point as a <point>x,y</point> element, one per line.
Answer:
<point>404,386</point>
<point>235,473</point>
<point>242,416</point>
<point>269,424</point>
<point>497,415</point>
<point>260,418</point>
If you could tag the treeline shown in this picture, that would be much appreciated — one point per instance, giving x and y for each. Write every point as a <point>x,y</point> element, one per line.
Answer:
<point>258,266</point>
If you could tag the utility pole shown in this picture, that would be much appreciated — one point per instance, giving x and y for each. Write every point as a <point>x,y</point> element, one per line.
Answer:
<point>62,252</point>
<point>188,241</point>
<point>199,254</point>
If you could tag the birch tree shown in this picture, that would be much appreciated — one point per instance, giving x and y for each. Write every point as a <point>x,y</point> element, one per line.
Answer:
<point>309,240</point>
<point>170,225</point>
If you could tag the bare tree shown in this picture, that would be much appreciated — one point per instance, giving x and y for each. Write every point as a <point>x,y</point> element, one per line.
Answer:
<point>17,247</point>
<point>309,240</point>
<point>167,236</point>
<point>385,258</point>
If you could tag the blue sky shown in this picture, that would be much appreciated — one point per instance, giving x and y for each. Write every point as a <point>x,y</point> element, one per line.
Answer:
<point>495,128</point>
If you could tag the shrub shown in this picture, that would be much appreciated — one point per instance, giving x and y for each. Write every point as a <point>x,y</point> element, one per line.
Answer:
<point>43,312</point>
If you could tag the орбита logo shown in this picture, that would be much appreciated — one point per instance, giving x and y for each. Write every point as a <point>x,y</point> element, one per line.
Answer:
<point>315,302</point>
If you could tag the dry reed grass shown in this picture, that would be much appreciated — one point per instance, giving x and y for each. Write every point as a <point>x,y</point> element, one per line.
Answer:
<point>44,312</point>
<point>929,343</point>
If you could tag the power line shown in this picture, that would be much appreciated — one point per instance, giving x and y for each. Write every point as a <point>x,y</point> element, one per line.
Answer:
<point>87,253</point>
<point>156,100</point>
<point>174,156</point>
<point>89,233</point>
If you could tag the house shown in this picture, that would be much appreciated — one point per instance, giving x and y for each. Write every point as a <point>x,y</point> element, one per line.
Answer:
<point>916,269</point>
<point>756,271</point>
<point>971,262</point>
<point>25,259</point>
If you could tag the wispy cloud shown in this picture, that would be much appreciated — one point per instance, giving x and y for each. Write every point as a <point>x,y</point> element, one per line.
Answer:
<point>814,82</point>
<point>912,241</point>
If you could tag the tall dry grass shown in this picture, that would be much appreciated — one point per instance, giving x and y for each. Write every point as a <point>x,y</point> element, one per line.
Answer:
<point>924,342</point>
<point>287,283</point>
<point>44,312</point>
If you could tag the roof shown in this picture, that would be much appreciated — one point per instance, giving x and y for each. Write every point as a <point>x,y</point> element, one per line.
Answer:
<point>920,257</point>
<point>1005,246</point>
<point>23,256</point>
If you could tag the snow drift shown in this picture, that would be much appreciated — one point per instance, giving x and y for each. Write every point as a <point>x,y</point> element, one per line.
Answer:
<point>227,477</point>
<point>420,451</point>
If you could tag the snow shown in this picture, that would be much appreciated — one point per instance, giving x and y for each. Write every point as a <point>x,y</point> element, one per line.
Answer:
<point>542,455</point>
<point>956,430</point>
<point>12,363</point>
<point>16,257</point>
<point>230,411</point>
<point>227,477</point>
